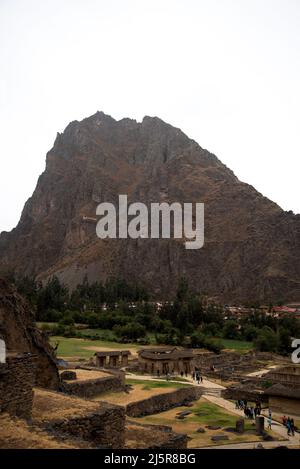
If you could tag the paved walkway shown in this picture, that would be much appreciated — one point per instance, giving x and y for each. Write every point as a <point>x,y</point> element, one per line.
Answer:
<point>277,427</point>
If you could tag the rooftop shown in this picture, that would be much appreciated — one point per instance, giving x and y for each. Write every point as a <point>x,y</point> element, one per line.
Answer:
<point>281,391</point>
<point>165,354</point>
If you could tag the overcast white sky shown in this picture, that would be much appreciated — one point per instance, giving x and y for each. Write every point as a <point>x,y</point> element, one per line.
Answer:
<point>227,72</point>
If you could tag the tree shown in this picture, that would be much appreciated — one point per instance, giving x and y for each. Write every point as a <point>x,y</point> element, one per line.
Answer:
<point>231,330</point>
<point>132,331</point>
<point>54,295</point>
<point>285,341</point>
<point>267,340</point>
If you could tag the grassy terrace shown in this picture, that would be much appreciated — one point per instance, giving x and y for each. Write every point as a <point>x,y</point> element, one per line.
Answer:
<point>85,348</point>
<point>154,384</point>
<point>203,414</point>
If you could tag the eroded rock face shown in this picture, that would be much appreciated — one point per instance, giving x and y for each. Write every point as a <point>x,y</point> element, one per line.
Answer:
<point>20,334</point>
<point>252,247</point>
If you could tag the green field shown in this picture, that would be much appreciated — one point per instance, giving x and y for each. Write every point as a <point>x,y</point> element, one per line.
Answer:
<point>73,347</point>
<point>238,345</point>
<point>77,347</point>
<point>211,414</point>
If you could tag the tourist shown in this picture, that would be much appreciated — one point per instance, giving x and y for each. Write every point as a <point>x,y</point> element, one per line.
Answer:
<point>201,379</point>
<point>270,423</point>
<point>193,375</point>
<point>288,426</point>
<point>293,427</point>
<point>158,373</point>
<point>181,374</point>
<point>284,420</point>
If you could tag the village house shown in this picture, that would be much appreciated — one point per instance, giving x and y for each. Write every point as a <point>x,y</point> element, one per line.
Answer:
<point>281,311</point>
<point>166,360</point>
<point>284,400</point>
<point>112,359</point>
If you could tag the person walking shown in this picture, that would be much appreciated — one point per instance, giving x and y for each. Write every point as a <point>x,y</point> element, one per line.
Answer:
<point>288,426</point>
<point>284,420</point>
<point>293,427</point>
<point>269,423</point>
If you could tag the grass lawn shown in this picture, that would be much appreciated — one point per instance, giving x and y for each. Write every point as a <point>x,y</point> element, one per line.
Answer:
<point>85,348</point>
<point>239,345</point>
<point>155,384</point>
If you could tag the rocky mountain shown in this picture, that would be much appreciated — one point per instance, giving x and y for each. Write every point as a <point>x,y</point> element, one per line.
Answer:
<point>252,247</point>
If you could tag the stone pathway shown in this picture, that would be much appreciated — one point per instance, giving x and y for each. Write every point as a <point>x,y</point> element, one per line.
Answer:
<point>277,427</point>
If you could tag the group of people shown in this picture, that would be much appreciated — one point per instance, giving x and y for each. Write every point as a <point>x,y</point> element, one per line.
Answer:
<point>196,375</point>
<point>289,424</point>
<point>250,411</point>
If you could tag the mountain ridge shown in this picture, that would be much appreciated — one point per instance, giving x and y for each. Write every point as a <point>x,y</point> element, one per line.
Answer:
<point>252,247</point>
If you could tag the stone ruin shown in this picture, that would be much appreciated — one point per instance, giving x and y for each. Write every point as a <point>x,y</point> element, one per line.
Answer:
<point>17,379</point>
<point>49,417</point>
<point>21,336</point>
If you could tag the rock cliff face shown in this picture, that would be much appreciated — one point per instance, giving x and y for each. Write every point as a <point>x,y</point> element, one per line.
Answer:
<point>20,334</point>
<point>252,247</point>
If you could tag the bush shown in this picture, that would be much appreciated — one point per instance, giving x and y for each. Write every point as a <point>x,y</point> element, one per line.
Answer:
<point>266,341</point>
<point>231,330</point>
<point>132,331</point>
<point>212,329</point>
<point>199,340</point>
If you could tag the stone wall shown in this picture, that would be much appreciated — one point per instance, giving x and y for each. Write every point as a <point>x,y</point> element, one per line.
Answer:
<point>17,328</point>
<point>162,402</point>
<point>17,377</point>
<point>146,436</point>
<point>104,428</point>
<point>236,393</point>
<point>287,376</point>
<point>94,387</point>
<point>284,405</point>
